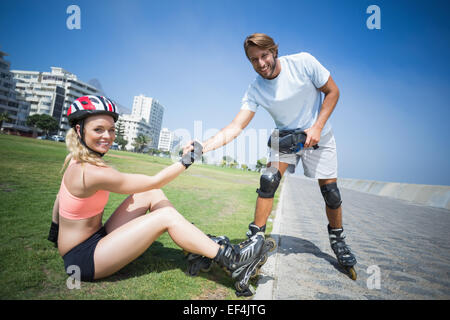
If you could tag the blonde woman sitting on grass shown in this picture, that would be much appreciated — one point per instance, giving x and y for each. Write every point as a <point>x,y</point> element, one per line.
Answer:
<point>101,250</point>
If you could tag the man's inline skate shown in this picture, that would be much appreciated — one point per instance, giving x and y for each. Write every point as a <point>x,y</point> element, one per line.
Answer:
<point>342,251</point>
<point>269,245</point>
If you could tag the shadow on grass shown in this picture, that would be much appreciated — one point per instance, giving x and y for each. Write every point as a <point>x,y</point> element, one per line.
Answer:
<point>159,258</point>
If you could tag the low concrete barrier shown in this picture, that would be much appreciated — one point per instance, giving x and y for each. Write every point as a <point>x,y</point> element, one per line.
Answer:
<point>429,195</point>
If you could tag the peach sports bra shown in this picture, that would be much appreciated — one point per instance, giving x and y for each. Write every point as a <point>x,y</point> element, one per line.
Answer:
<point>75,208</point>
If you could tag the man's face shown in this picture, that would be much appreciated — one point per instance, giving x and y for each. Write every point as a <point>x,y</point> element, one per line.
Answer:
<point>264,62</point>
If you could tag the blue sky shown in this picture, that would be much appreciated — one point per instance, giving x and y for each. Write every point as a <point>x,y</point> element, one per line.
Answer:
<point>390,122</point>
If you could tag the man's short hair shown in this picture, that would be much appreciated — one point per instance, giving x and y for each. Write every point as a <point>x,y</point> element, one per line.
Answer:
<point>262,41</point>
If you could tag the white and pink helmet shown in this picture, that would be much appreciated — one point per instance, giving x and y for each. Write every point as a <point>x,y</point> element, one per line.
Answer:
<point>86,106</point>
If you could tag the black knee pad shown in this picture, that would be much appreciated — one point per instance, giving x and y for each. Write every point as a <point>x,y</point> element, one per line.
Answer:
<point>269,182</point>
<point>331,194</point>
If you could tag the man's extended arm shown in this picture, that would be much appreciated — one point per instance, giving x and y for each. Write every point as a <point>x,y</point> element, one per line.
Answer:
<point>230,132</point>
<point>331,92</point>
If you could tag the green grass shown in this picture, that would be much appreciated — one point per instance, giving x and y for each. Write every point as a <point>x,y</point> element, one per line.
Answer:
<point>219,201</point>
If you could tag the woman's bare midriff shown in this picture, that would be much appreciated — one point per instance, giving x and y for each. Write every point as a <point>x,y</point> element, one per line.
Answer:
<point>74,232</point>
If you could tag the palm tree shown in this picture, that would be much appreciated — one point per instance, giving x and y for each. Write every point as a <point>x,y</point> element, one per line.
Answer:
<point>141,141</point>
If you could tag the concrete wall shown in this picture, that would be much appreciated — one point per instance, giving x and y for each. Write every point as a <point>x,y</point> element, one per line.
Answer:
<point>429,195</point>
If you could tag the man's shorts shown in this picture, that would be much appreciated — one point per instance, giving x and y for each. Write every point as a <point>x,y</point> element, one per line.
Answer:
<point>320,163</point>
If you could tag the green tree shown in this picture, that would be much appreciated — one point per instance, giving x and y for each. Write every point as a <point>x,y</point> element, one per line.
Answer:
<point>44,122</point>
<point>154,152</point>
<point>4,116</point>
<point>120,139</point>
<point>140,142</point>
<point>261,163</point>
<point>233,164</point>
<point>226,161</point>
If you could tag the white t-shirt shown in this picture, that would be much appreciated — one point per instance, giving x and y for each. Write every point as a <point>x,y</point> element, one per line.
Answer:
<point>292,98</point>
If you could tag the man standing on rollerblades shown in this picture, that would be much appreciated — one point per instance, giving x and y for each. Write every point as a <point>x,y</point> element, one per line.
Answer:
<point>289,88</point>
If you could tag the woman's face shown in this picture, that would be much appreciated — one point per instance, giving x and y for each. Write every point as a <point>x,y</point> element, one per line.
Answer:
<point>99,132</point>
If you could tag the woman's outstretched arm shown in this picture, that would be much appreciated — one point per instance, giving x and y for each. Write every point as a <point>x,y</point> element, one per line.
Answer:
<point>127,183</point>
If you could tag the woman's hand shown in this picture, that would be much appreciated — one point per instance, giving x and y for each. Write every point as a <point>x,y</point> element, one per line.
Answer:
<point>188,148</point>
<point>191,152</point>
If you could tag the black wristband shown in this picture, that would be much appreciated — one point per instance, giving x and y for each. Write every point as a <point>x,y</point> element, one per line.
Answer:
<point>185,163</point>
<point>190,157</point>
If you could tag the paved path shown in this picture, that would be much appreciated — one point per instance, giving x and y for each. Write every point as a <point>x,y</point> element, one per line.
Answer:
<point>408,244</point>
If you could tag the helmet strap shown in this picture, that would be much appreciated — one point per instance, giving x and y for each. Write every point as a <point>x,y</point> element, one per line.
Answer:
<point>81,138</point>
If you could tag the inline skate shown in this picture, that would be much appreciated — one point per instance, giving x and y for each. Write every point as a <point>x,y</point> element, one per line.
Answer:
<point>270,243</point>
<point>242,261</point>
<point>197,263</point>
<point>342,251</point>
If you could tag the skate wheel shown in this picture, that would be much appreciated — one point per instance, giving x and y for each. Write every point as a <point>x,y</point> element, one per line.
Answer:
<point>239,287</point>
<point>192,273</point>
<point>271,244</point>
<point>228,272</point>
<point>352,273</point>
<point>207,269</point>
<point>263,260</point>
<point>255,273</point>
<point>246,291</point>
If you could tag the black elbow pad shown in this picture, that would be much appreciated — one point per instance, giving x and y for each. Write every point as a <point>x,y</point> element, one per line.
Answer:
<point>53,233</point>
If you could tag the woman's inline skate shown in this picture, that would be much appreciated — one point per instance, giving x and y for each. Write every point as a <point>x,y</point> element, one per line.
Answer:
<point>197,263</point>
<point>241,261</point>
<point>342,251</point>
<point>269,245</point>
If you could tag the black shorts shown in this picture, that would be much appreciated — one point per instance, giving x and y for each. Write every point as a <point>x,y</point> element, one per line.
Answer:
<point>82,256</point>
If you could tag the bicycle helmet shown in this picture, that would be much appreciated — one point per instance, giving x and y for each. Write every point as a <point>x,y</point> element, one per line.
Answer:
<point>86,106</point>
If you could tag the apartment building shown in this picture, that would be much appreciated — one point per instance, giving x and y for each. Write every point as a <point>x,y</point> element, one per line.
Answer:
<point>165,140</point>
<point>132,127</point>
<point>51,92</point>
<point>152,112</point>
<point>10,103</point>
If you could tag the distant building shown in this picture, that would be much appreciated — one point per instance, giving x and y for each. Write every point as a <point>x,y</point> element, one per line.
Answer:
<point>51,92</point>
<point>165,140</point>
<point>10,101</point>
<point>152,112</point>
<point>132,127</point>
